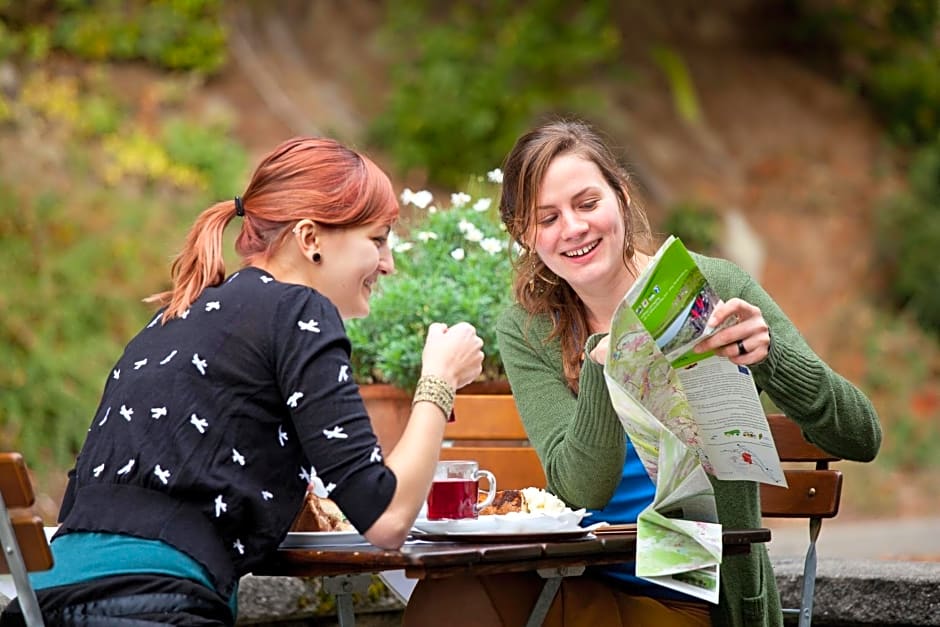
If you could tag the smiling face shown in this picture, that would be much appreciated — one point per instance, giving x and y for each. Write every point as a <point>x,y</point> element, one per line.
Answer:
<point>352,260</point>
<point>579,232</point>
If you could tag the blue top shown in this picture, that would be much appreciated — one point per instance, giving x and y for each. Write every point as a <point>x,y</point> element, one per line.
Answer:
<point>633,494</point>
<point>84,556</point>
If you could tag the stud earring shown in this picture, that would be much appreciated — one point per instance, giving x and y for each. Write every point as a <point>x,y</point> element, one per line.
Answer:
<point>316,258</point>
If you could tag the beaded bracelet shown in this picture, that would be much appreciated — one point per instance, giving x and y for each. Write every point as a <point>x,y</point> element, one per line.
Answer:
<point>434,389</point>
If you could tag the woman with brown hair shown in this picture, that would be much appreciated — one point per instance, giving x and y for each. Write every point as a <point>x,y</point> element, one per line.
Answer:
<point>568,204</point>
<point>237,395</point>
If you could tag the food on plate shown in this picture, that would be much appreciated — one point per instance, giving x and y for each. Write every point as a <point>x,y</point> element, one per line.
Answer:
<point>319,514</point>
<point>526,500</point>
<point>504,501</point>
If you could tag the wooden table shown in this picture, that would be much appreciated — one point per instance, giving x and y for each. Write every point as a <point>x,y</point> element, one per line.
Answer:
<point>431,560</point>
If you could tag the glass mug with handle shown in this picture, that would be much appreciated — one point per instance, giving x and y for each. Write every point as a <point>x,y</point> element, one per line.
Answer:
<point>455,489</point>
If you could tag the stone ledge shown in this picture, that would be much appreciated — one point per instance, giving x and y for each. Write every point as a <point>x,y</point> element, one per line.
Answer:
<point>859,593</point>
<point>849,593</point>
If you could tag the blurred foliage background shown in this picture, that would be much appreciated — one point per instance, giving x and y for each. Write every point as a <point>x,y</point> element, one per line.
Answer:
<point>114,135</point>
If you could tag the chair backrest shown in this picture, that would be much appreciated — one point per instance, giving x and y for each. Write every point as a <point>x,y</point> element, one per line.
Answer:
<point>488,430</point>
<point>25,547</point>
<point>813,492</point>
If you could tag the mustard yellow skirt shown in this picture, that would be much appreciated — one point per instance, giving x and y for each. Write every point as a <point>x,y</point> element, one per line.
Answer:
<point>506,600</point>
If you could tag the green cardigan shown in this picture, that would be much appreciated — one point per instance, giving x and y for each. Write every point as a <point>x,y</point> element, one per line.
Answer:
<point>581,443</point>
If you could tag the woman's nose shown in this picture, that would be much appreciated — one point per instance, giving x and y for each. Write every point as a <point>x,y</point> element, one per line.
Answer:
<point>386,263</point>
<point>572,224</point>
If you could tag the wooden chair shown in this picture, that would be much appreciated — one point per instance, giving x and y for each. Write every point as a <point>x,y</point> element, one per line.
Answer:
<point>488,430</point>
<point>25,547</point>
<point>813,493</point>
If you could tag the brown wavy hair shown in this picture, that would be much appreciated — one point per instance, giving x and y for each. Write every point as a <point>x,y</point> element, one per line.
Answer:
<point>303,178</point>
<point>535,287</point>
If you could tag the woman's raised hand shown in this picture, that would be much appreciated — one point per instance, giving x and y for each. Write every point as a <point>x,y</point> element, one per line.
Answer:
<point>745,342</point>
<point>454,353</point>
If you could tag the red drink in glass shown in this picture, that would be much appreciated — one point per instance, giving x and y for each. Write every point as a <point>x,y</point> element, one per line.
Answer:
<point>453,498</point>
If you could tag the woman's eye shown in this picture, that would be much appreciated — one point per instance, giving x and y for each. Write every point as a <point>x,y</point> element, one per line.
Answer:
<point>380,241</point>
<point>545,220</point>
<point>589,204</point>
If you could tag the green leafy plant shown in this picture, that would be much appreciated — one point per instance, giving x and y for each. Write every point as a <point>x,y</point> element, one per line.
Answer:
<point>907,240</point>
<point>183,35</point>
<point>452,265</point>
<point>468,77</point>
<point>698,225</point>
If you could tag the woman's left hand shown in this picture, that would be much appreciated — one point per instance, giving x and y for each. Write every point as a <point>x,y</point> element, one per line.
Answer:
<point>745,342</point>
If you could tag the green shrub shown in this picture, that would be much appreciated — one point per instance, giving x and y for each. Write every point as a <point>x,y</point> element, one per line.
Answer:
<point>908,238</point>
<point>696,224</point>
<point>889,49</point>
<point>175,34</point>
<point>452,267</point>
<point>468,77</point>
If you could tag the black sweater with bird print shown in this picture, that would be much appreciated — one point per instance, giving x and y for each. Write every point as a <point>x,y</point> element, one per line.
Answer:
<point>212,426</point>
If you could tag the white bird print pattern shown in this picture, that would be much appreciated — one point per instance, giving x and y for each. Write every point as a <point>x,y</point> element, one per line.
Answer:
<point>281,435</point>
<point>155,320</point>
<point>319,488</point>
<point>185,314</point>
<point>140,364</point>
<point>335,433</point>
<point>238,546</point>
<point>116,374</point>
<point>376,455</point>
<point>267,496</point>
<point>127,412</point>
<point>157,412</point>
<point>162,475</point>
<point>200,364</point>
<point>220,506</point>
<point>97,470</point>
<point>313,326</point>
<point>237,457</point>
<point>167,359</point>
<point>343,373</point>
<point>266,279</point>
<point>126,468</point>
<point>105,419</point>
<point>213,305</point>
<point>294,398</point>
<point>201,424</point>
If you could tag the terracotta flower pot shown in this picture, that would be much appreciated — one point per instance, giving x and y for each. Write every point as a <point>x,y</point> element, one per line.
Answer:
<point>389,407</point>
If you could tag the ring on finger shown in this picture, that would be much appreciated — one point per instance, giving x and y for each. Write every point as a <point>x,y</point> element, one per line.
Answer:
<point>741,349</point>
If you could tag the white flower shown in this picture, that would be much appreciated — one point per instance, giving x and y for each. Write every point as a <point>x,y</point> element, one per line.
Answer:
<point>482,205</point>
<point>425,236</point>
<point>459,199</point>
<point>491,245</point>
<point>419,199</point>
<point>403,247</point>
<point>458,254</point>
<point>470,231</point>
<point>495,176</point>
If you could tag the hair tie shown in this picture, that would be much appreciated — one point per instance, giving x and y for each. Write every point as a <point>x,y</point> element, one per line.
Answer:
<point>239,207</point>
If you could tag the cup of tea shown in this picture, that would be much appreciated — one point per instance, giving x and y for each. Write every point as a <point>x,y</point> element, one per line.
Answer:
<point>455,489</point>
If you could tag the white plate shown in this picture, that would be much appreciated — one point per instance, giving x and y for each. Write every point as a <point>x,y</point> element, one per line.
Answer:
<point>514,522</point>
<point>307,539</point>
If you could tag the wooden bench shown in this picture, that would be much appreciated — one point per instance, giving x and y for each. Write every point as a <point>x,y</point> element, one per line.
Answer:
<point>488,429</point>
<point>25,548</point>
